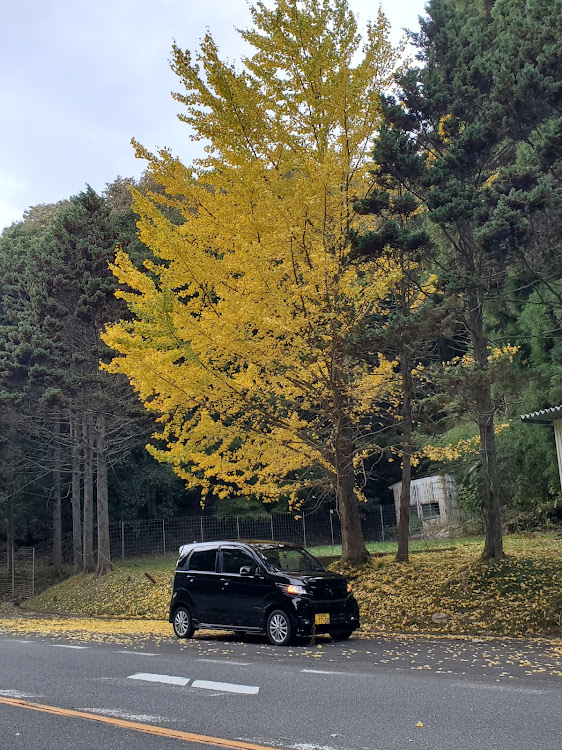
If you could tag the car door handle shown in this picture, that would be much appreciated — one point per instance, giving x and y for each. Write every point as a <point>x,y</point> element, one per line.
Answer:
<point>224,581</point>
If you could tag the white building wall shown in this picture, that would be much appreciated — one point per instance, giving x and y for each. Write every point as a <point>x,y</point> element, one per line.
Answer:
<point>558,439</point>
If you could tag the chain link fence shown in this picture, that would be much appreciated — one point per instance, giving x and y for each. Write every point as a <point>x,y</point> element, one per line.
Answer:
<point>25,571</point>
<point>17,571</point>
<point>317,529</point>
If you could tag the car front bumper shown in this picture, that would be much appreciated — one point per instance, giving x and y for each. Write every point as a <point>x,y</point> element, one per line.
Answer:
<point>342,615</point>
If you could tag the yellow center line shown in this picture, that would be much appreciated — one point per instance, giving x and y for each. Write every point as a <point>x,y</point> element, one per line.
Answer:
<point>136,726</point>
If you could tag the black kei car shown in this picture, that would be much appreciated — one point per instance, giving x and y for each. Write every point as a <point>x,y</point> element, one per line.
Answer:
<point>259,587</point>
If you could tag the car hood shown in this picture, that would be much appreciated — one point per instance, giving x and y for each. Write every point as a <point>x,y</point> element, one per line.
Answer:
<point>309,579</point>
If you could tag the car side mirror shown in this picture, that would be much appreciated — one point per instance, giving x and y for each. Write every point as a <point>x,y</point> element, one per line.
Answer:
<point>247,570</point>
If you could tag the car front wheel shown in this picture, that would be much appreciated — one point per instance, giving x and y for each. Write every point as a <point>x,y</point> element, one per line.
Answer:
<point>183,624</point>
<point>280,629</point>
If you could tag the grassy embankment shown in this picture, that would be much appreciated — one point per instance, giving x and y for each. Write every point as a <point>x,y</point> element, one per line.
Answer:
<point>518,596</point>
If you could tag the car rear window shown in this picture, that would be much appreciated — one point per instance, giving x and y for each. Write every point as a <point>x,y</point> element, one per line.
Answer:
<point>203,559</point>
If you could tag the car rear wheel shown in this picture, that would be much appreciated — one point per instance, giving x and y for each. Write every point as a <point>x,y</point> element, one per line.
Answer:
<point>183,623</point>
<point>341,635</point>
<point>280,629</point>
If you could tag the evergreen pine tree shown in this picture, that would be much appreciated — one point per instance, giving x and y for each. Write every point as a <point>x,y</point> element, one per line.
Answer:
<point>491,82</point>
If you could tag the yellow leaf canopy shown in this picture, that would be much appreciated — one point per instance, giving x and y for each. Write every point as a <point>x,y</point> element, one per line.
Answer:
<point>248,331</point>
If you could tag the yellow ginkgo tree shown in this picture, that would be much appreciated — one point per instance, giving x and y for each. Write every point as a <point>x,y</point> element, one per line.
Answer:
<point>249,333</point>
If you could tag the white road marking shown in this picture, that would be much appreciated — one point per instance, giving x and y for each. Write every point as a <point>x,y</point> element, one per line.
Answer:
<point>64,645</point>
<point>118,714</point>
<point>18,640</point>
<point>166,678</point>
<point>292,745</point>
<point>18,694</point>
<point>321,671</point>
<point>226,687</point>
<point>226,661</point>
<point>504,688</point>
<point>137,653</point>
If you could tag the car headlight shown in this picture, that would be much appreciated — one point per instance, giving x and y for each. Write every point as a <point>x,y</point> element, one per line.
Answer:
<point>294,590</point>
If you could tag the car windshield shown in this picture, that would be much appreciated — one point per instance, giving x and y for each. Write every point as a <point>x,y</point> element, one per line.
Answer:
<point>288,559</point>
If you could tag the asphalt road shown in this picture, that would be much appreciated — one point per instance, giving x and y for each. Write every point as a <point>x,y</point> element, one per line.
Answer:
<point>361,695</point>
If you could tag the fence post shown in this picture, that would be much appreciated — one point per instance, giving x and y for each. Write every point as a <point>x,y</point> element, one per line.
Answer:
<point>122,540</point>
<point>164,535</point>
<point>382,523</point>
<point>332,526</point>
<point>202,535</point>
<point>272,534</point>
<point>238,527</point>
<point>13,571</point>
<point>33,571</point>
<point>303,530</point>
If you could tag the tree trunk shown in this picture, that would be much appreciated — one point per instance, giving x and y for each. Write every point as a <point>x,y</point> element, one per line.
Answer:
<point>11,523</point>
<point>104,552</point>
<point>76,505</point>
<point>493,546</point>
<point>88,548</point>
<point>57,500</point>
<point>354,551</point>
<point>402,554</point>
<point>10,496</point>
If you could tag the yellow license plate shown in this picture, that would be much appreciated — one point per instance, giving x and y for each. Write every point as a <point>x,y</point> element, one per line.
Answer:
<point>322,619</point>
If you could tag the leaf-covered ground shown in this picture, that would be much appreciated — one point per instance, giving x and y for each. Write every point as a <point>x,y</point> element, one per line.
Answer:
<point>518,596</point>
<point>125,592</point>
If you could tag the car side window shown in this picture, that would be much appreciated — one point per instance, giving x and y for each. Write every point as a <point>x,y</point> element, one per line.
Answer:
<point>234,559</point>
<point>203,560</point>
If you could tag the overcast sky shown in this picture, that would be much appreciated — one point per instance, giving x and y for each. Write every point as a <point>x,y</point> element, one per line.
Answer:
<point>79,79</point>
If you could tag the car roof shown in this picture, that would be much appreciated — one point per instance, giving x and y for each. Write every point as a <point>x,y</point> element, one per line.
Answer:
<point>185,549</point>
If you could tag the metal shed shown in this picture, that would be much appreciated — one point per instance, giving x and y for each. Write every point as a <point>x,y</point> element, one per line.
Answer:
<point>434,498</point>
